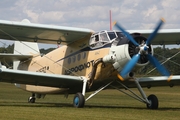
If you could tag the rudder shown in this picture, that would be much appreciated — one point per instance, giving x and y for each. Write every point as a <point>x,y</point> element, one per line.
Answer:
<point>24,48</point>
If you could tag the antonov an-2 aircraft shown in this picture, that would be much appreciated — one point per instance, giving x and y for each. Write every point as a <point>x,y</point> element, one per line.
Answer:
<point>86,61</point>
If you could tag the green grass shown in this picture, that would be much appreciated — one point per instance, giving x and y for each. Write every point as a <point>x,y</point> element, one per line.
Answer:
<point>108,104</point>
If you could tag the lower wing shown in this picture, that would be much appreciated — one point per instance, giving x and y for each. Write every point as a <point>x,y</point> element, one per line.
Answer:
<point>160,81</point>
<point>66,81</point>
<point>37,78</point>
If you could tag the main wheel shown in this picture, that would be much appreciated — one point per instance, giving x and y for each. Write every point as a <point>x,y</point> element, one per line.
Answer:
<point>153,102</point>
<point>78,100</point>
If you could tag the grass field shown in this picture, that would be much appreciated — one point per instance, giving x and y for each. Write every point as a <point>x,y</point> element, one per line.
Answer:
<point>108,104</point>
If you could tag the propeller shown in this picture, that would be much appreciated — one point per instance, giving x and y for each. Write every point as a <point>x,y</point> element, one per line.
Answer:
<point>143,50</point>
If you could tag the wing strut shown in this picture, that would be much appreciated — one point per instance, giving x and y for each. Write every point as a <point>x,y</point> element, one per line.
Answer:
<point>151,101</point>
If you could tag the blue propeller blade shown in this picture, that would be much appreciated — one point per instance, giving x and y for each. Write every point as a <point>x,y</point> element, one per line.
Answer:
<point>150,38</point>
<point>127,34</point>
<point>128,67</point>
<point>158,65</point>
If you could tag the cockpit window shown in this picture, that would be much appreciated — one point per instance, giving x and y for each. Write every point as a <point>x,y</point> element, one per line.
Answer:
<point>92,40</point>
<point>96,38</point>
<point>99,39</point>
<point>95,42</point>
<point>103,37</point>
<point>111,35</point>
<point>119,34</point>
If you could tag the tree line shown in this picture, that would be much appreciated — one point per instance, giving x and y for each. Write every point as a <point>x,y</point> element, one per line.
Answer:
<point>164,56</point>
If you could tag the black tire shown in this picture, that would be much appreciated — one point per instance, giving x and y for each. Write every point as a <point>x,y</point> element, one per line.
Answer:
<point>31,100</point>
<point>78,100</point>
<point>153,102</point>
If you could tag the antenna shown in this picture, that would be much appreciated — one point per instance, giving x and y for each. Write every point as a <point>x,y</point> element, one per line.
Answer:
<point>110,20</point>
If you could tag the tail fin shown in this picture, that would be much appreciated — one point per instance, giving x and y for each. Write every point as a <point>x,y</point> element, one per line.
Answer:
<point>24,48</point>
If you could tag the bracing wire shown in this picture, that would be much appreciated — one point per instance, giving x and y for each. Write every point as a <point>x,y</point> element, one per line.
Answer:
<point>166,60</point>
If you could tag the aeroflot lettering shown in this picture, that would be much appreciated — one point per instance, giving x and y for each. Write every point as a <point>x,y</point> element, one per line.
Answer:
<point>79,68</point>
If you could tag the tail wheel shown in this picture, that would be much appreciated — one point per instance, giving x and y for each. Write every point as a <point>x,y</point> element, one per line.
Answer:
<point>153,100</point>
<point>79,100</point>
<point>31,100</point>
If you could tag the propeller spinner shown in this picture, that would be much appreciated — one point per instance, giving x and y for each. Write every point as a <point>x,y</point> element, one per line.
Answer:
<point>143,50</point>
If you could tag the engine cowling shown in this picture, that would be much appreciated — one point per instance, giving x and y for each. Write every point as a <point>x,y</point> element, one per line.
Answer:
<point>133,50</point>
<point>124,50</point>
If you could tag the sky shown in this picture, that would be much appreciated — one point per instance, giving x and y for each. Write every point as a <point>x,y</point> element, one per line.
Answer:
<point>94,14</point>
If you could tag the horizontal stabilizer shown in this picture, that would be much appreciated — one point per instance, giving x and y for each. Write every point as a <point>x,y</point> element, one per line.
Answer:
<point>13,57</point>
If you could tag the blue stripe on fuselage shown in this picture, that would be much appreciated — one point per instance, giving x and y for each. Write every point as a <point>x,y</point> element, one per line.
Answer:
<point>83,50</point>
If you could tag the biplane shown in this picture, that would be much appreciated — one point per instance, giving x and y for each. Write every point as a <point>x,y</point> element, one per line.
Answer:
<point>86,61</point>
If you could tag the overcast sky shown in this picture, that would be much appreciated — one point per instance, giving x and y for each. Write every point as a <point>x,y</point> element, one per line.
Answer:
<point>93,14</point>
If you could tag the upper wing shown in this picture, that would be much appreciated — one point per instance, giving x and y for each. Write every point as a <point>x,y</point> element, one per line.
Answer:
<point>164,36</point>
<point>26,31</point>
<point>37,78</point>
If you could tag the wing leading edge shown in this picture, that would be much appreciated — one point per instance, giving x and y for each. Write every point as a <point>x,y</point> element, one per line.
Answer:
<point>160,81</point>
<point>37,78</point>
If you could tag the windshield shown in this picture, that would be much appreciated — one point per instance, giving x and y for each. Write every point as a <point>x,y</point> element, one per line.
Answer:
<point>103,37</point>
<point>99,39</point>
<point>112,35</point>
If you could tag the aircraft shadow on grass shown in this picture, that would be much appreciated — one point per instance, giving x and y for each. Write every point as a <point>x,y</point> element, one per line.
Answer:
<point>69,105</point>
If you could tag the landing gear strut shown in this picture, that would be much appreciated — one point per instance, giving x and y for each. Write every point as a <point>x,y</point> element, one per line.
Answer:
<point>151,101</point>
<point>32,99</point>
<point>79,99</point>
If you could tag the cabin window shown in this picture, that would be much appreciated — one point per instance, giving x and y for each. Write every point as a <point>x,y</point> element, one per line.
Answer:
<point>74,58</point>
<point>84,55</point>
<point>79,57</point>
<point>69,60</point>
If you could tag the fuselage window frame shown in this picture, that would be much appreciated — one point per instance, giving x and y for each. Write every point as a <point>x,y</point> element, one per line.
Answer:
<point>99,39</point>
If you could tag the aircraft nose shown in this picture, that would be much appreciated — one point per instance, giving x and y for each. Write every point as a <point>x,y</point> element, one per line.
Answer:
<point>143,50</point>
